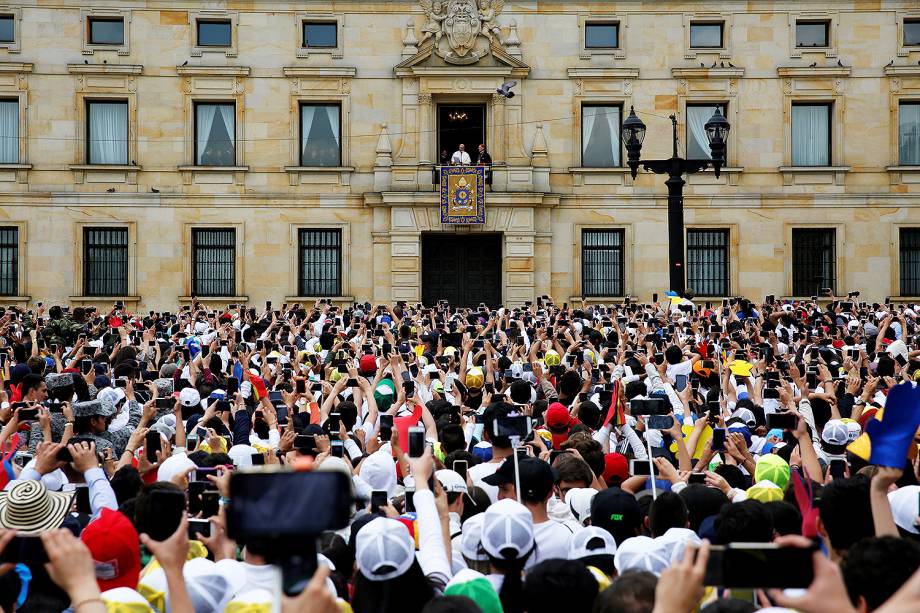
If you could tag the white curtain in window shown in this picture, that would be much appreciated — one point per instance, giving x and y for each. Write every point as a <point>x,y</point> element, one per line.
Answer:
<point>108,137</point>
<point>909,135</point>
<point>810,135</point>
<point>205,119</point>
<point>697,143</point>
<point>588,114</point>
<point>333,113</point>
<point>320,136</point>
<point>227,112</point>
<point>9,132</point>
<point>600,136</point>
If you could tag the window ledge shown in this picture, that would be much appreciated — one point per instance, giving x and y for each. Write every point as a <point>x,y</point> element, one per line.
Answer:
<point>227,299</point>
<point>590,175</point>
<point>600,299</point>
<point>15,166</point>
<point>123,69</point>
<point>813,175</point>
<point>15,298</point>
<point>81,298</point>
<point>213,168</point>
<point>817,71</point>
<point>313,299</point>
<point>105,167</point>
<point>903,174</point>
<point>299,175</point>
<point>214,71</point>
<point>597,169</point>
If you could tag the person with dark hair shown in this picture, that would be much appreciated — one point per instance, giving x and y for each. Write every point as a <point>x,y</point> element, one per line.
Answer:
<point>786,517</point>
<point>744,522</point>
<point>501,448</point>
<point>845,514</point>
<point>631,592</point>
<point>702,502</point>
<point>559,585</point>
<point>875,568</point>
<point>452,604</point>
<point>667,511</point>
<point>571,473</point>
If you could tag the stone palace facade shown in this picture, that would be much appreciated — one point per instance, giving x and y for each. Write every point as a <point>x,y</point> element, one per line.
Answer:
<point>246,151</point>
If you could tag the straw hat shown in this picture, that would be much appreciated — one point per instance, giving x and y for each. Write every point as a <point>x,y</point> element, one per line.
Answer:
<point>31,509</point>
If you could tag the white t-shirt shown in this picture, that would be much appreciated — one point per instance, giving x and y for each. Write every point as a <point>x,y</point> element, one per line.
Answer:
<point>480,472</point>
<point>552,539</point>
<point>681,368</point>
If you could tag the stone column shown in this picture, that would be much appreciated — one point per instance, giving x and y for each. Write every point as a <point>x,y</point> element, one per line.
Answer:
<point>424,123</point>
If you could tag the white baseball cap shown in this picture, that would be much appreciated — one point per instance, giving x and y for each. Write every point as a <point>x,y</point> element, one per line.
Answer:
<point>591,541</point>
<point>507,530</point>
<point>384,549</point>
<point>641,553</point>
<point>471,538</point>
<point>451,481</point>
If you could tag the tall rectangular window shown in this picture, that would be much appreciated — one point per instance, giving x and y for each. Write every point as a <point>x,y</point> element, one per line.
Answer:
<point>215,134</point>
<point>602,35</point>
<point>214,33</point>
<point>811,134</point>
<point>602,262</point>
<point>911,32</point>
<point>600,136</point>
<point>319,262</point>
<point>9,261</point>
<point>706,35</point>
<point>8,29</point>
<point>909,134</point>
<point>707,261</point>
<point>105,261</point>
<point>9,131</point>
<point>320,135</point>
<point>697,143</point>
<point>814,260</point>
<point>214,261</point>
<point>107,132</point>
<point>812,33</point>
<point>910,261</point>
<point>106,31</point>
<point>320,34</point>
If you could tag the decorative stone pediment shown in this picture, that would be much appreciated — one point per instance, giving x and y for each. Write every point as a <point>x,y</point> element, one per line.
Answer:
<point>463,32</point>
<point>427,63</point>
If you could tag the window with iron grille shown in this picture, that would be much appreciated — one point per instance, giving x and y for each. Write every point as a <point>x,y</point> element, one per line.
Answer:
<point>910,261</point>
<point>319,262</point>
<point>214,261</point>
<point>707,262</point>
<point>105,261</point>
<point>602,262</point>
<point>814,255</point>
<point>9,261</point>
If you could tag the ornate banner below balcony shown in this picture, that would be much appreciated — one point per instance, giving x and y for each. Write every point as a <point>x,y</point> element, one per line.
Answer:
<point>463,194</point>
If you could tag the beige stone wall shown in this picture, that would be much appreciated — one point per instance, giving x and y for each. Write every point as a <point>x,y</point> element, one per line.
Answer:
<point>382,197</point>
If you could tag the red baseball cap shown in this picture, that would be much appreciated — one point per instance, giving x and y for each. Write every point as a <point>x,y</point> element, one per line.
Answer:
<point>615,466</point>
<point>115,546</point>
<point>367,364</point>
<point>557,416</point>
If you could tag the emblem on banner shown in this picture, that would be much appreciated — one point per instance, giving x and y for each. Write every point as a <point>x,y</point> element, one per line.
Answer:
<point>463,195</point>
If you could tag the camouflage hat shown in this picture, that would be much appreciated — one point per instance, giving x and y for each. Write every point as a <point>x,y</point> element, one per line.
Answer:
<point>165,387</point>
<point>55,380</point>
<point>92,408</point>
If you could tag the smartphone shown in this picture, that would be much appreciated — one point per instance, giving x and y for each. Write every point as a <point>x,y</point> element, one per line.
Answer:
<point>165,514</point>
<point>27,414</point>
<point>649,406</point>
<point>301,386</point>
<point>696,478</point>
<point>680,382</point>
<point>460,467</point>
<point>416,442</point>
<point>198,527</point>
<point>257,459</point>
<point>379,499</point>
<point>718,439</point>
<point>513,426</point>
<point>386,427</point>
<point>165,403</point>
<point>305,442</point>
<point>782,421</point>
<point>233,386</point>
<point>409,388</point>
<point>333,421</point>
<point>337,448</point>
<point>659,422</point>
<point>152,445</point>
<point>759,565</point>
<point>82,499</point>
<point>642,467</point>
<point>34,551</point>
<point>210,503</point>
<point>837,468</point>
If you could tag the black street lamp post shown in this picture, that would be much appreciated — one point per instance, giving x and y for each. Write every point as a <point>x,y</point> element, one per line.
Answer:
<point>675,167</point>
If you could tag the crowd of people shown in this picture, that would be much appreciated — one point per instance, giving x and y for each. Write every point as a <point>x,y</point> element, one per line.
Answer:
<point>666,457</point>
